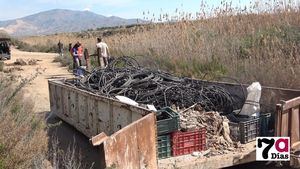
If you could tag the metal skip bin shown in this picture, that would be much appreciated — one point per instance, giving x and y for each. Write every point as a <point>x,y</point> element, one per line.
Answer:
<point>128,133</point>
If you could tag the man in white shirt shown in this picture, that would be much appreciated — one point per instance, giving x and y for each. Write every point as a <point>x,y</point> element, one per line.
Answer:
<point>102,51</point>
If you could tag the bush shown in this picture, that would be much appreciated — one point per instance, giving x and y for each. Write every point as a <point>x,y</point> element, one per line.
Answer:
<point>46,48</point>
<point>65,60</point>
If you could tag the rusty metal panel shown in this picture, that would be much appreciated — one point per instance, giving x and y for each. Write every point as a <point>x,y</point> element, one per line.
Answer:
<point>288,119</point>
<point>146,131</point>
<point>133,147</point>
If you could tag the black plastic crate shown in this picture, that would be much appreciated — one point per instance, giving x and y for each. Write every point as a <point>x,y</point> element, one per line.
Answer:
<point>167,121</point>
<point>264,124</point>
<point>245,131</point>
<point>164,147</point>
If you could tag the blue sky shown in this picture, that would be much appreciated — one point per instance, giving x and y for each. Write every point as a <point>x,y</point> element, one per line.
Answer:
<point>11,9</point>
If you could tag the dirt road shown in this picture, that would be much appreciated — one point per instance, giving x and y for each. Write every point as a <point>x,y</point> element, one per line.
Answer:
<point>37,90</point>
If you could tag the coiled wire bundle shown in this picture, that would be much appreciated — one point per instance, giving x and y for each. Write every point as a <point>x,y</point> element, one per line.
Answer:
<point>125,77</point>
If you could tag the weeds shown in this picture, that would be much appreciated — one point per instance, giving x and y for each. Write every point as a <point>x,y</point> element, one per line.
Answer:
<point>65,60</point>
<point>22,137</point>
<point>68,159</point>
<point>46,48</point>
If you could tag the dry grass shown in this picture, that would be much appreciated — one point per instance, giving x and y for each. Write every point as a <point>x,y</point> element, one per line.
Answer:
<point>67,159</point>
<point>251,46</point>
<point>23,140</point>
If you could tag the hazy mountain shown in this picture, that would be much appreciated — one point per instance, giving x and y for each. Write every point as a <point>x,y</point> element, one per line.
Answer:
<point>60,20</point>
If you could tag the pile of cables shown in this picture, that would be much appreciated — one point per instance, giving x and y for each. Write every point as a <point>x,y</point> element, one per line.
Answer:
<point>123,76</point>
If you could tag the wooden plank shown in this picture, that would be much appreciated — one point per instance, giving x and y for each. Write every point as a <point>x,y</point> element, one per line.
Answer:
<point>291,103</point>
<point>295,126</point>
<point>133,147</point>
<point>285,124</point>
<point>287,121</point>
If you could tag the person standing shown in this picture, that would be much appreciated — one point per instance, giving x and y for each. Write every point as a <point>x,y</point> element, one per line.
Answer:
<point>75,57</point>
<point>102,52</point>
<point>60,48</point>
<point>80,53</point>
<point>71,54</point>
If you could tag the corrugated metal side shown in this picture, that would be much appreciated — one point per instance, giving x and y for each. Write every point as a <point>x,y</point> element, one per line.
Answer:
<point>89,113</point>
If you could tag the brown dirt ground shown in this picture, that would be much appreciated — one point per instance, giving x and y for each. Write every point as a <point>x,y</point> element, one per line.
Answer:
<point>37,90</point>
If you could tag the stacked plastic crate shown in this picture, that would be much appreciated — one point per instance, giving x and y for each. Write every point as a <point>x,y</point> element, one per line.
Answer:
<point>171,141</point>
<point>188,142</point>
<point>243,128</point>
<point>167,122</point>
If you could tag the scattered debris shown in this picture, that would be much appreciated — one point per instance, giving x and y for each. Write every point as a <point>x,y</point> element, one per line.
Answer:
<point>32,61</point>
<point>12,69</point>
<point>23,62</point>
<point>217,127</point>
<point>20,62</point>
<point>201,154</point>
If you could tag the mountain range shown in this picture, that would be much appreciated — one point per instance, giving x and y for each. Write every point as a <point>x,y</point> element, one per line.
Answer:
<point>61,20</point>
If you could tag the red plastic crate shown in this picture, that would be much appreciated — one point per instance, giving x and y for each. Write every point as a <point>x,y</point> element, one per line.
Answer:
<point>188,142</point>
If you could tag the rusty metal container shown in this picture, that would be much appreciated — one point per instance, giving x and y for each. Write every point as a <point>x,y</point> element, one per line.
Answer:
<point>128,133</point>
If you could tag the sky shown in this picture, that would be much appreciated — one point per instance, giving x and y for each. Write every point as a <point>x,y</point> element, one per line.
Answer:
<point>12,9</point>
